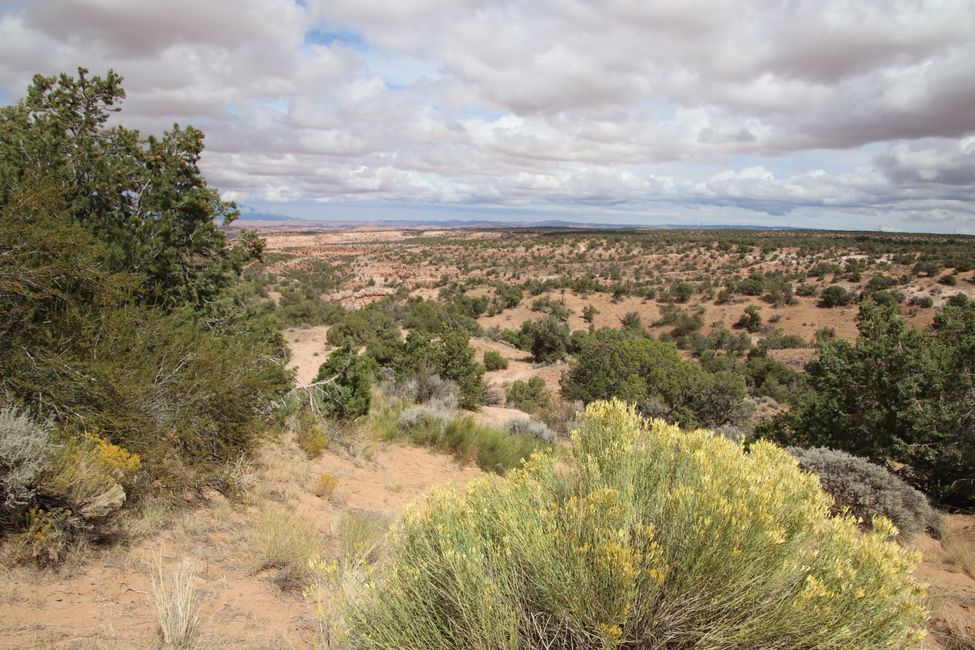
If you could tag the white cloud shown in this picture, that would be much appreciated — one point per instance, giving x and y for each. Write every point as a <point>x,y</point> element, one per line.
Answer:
<point>623,103</point>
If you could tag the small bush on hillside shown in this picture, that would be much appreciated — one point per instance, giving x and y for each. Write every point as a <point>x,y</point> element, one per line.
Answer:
<point>414,416</point>
<point>868,490</point>
<point>529,427</point>
<point>560,415</point>
<point>90,474</point>
<point>426,389</point>
<point>835,296</point>
<point>324,485</point>
<point>344,391</point>
<point>26,451</point>
<point>494,361</point>
<point>751,320</point>
<point>547,338</point>
<point>527,395</point>
<point>311,435</point>
<point>642,536</point>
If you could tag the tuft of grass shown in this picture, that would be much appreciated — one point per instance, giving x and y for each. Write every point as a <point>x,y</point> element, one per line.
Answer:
<point>324,485</point>
<point>360,536</point>
<point>287,543</point>
<point>957,636</point>
<point>492,449</point>
<point>959,552</point>
<point>177,604</point>
<point>311,436</point>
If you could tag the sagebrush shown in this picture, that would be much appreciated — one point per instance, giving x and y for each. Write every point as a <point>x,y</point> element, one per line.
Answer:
<point>643,536</point>
<point>868,490</point>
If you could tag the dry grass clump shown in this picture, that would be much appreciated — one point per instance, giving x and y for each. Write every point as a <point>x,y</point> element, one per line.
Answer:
<point>324,485</point>
<point>311,436</point>
<point>287,543</point>
<point>360,536</point>
<point>959,552</point>
<point>642,536</point>
<point>177,604</point>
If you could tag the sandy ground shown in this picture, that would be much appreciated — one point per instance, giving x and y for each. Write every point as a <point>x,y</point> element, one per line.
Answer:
<point>308,350</point>
<point>105,600</point>
<point>951,592</point>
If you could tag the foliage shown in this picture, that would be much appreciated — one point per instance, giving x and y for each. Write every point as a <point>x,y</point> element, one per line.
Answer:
<point>835,296</point>
<point>89,475</point>
<point>492,449</point>
<point>143,198</point>
<point>652,374</point>
<point>344,385</point>
<point>527,395</point>
<point>546,338</point>
<point>899,394</point>
<point>447,355</point>
<point>494,361</point>
<point>751,320</point>
<point>117,316</point>
<point>529,427</point>
<point>26,451</point>
<point>310,435</point>
<point>868,490</point>
<point>324,485</point>
<point>427,389</point>
<point>642,537</point>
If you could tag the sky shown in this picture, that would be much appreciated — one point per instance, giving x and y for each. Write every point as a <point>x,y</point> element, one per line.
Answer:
<point>822,113</point>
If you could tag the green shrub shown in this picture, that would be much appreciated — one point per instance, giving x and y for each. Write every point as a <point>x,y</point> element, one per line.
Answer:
<point>641,537</point>
<point>898,394</point>
<point>343,385</point>
<point>653,375</point>
<point>835,296</point>
<point>447,355</point>
<point>494,361</point>
<point>868,490</point>
<point>547,338</point>
<point>527,395</point>
<point>751,320</point>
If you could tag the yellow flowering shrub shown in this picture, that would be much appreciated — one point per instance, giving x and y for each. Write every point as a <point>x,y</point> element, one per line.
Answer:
<point>641,536</point>
<point>90,473</point>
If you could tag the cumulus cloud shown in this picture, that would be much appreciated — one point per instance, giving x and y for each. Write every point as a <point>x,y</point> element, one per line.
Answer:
<point>818,110</point>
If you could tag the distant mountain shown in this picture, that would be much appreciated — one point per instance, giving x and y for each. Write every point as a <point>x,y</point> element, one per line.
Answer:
<point>247,213</point>
<point>276,220</point>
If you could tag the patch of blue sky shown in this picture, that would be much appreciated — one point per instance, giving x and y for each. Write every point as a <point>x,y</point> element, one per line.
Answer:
<point>660,108</point>
<point>477,112</point>
<point>337,36</point>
